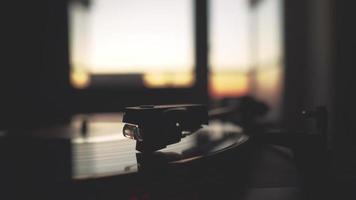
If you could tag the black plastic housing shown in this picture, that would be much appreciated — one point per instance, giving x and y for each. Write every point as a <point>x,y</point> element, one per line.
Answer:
<point>161,125</point>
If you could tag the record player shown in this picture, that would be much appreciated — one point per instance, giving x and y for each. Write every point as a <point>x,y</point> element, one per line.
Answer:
<point>91,155</point>
<point>93,158</point>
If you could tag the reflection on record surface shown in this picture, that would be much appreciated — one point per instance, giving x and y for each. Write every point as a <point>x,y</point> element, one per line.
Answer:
<point>106,152</point>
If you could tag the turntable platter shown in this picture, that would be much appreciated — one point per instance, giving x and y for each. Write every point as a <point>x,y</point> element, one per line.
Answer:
<point>105,152</point>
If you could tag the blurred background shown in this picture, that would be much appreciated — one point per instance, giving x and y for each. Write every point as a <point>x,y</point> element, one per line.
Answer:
<point>65,57</point>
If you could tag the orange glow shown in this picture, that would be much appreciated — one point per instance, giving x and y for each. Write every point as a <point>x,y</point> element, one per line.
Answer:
<point>228,84</point>
<point>154,80</point>
<point>79,79</point>
<point>269,82</point>
<point>270,79</point>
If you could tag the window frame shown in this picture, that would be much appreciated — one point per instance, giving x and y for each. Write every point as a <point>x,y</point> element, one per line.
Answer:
<point>112,99</point>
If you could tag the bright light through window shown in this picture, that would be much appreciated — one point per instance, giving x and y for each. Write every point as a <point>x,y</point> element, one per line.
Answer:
<point>154,38</point>
<point>246,50</point>
<point>245,53</point>
<point>229,51</point>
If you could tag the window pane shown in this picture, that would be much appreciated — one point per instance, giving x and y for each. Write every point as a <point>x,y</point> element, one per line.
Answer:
<point>229,50</point>
<point>246,50</point>
<point>269,63</point>
<point>153,38</point>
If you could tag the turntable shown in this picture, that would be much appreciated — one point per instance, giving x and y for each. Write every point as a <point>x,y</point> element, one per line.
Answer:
<point>106,152</point>
<point>91,155</point>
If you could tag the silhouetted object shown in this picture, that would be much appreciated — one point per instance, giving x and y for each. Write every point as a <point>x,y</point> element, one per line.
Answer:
<point>155,127</point>
<point>253,3</point>
<point>85,3</point>
<point>84,127</point>
<point>309,148</point>
<point>320,114</point>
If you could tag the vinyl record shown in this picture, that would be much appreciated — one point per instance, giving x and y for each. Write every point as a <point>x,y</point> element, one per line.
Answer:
<point>105,152</point>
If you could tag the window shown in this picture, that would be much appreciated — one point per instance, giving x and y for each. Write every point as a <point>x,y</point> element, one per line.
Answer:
<point>268,58</point>
<point>229,48</point>
<point>152,40</point>
<point>245,50</point>
<point>151,44</point>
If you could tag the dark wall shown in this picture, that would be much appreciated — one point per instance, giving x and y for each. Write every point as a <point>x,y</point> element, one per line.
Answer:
<point>320,48</point>
<point>296,38</point>
<point>34,69</point>
<point>309,59</point>
<point>345,89</point>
